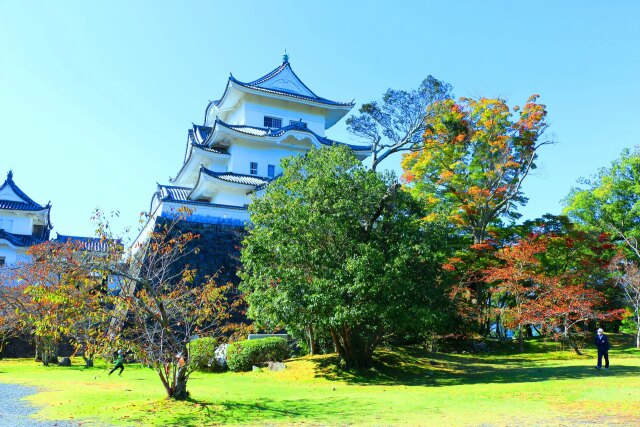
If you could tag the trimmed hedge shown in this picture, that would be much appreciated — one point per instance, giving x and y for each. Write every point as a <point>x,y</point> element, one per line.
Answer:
<point>202,354</point>
<point>243,355</point>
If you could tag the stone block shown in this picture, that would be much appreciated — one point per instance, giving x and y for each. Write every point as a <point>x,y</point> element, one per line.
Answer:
<point>276,366</point>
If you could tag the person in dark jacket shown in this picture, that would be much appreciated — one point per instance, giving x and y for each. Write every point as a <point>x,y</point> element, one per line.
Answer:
<point>119,363</point>
<point>602,342</point>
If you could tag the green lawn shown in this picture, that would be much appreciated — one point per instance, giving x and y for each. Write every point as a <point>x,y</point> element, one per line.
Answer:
<point>543,386</point>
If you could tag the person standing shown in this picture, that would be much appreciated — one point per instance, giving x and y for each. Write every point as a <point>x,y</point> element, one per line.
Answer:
<point>119,363</point>
<point>602,342</point>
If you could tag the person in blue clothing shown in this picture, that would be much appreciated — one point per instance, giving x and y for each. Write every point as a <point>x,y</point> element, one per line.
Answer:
<point>602,342</point>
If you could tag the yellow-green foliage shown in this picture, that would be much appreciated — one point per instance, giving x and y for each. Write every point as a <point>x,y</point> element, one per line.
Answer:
<point>202,354</point>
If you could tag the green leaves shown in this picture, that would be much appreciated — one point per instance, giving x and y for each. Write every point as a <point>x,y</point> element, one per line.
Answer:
<point>337,249</point>
<point>610,201</point>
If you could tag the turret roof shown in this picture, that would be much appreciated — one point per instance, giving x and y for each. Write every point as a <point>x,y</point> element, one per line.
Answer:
<point>295,126</point>
<point>235,178</point>
<point>284,81</point>
<point>24,204</point>
<point>197,137</point>
<point>19,239</point>
<point>93,244</point>
<point>171,193</point>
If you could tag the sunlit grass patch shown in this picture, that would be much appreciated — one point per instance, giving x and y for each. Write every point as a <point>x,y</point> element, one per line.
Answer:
<point>406,386</point>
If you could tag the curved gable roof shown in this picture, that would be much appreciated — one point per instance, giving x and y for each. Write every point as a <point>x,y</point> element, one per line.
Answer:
<point>284,81</point>
<point>235,178</point>
<point>20,240</point>
<point>93,244</point>
<point>24,202</point>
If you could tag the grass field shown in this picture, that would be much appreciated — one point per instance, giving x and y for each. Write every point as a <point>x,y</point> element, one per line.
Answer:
<point>543,386</point>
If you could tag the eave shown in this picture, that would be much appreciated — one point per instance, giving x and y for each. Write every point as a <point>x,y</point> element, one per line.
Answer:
<point>333,112</point>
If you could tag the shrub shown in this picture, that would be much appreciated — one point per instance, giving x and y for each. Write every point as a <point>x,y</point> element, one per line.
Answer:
<point>243,355</point>
<point>202,354</point>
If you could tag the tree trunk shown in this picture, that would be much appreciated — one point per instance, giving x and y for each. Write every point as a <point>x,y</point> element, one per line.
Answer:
<point>638,333</point>
<point>44,353</point>
<point>174,376</point>
<point>498,328</point>
<point>352,349</point>
<point>575,348</point>
<point>313,342</point>
<point>487,317</point>
<point>180,386</point>
<point>88,361</point>
<point>520,338</point>
<point>569,341</point>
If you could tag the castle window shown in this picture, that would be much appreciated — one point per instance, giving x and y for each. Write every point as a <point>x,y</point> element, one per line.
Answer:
<point>272,122</point>
<point>2,261</point>
<point>253,168</point>
<point>271,171</point>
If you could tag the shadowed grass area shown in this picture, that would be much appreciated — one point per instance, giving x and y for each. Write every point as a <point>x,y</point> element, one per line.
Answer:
<point>407,386</point>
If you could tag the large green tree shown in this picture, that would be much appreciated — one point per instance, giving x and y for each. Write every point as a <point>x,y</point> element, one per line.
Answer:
<point>610,202</point>
<point>335,248</point>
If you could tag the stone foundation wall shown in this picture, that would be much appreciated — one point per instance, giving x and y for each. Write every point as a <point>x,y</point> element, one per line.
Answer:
<point>218,250</point>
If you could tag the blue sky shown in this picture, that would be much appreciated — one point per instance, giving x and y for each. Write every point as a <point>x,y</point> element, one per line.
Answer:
<point>96,97</point>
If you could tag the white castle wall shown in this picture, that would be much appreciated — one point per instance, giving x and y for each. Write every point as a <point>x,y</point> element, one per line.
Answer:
<point>254,113</point>
<point>12,255</point>
<point>244,152</point>
<point>16,224</point>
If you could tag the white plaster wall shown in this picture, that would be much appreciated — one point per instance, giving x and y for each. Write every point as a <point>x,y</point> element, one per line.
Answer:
<point>12,255</point>
<point>8,194</point>
<point>237,116</point>
<point>189,177</point>
<point>255,110</point>
<point>231,197</point>
<point>215,192</point>
<point>16,224</point>
<point>215,164</point>
<point>243,153</point>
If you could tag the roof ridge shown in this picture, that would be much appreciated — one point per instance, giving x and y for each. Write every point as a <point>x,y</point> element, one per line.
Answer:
<point>271,74</point>
<point>26,199</point>
<point>254,85</point>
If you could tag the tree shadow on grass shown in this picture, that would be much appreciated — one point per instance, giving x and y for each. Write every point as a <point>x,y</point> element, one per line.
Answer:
<point>410,368</point>
<point>266,411</point>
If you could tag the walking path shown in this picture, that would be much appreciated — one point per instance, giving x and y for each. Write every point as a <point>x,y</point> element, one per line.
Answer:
<point>15,412</point>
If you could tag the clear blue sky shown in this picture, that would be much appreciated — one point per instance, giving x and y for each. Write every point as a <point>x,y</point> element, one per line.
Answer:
<point>96,97</point>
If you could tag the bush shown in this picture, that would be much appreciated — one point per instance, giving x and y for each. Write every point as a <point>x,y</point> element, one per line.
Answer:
<point>243,355</point>
<point>202,354</point>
